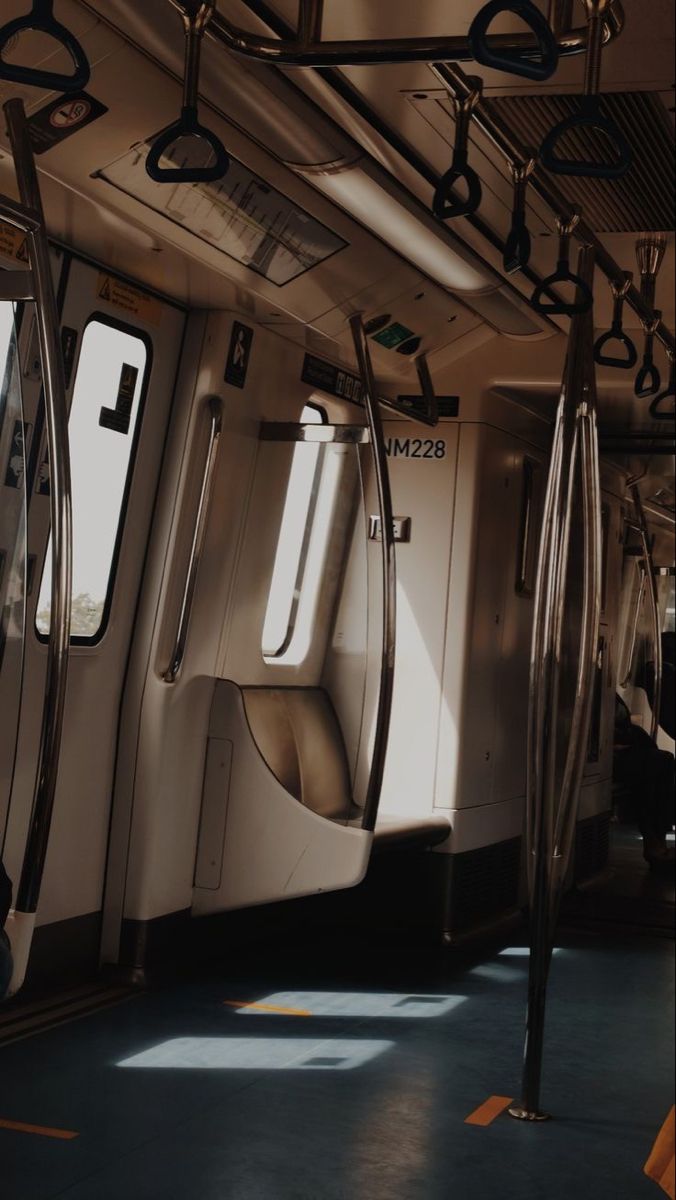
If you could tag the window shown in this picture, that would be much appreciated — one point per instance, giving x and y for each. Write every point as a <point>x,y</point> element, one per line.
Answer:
<point>110,384</point>
<point>300,551</point>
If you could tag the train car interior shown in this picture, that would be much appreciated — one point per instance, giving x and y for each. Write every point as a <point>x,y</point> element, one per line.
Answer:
<point>337,607</point>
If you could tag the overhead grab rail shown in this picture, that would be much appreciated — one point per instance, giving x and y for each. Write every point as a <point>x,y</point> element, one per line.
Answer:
<point>196,15</point>
<point>213,406</point>
<point>389,572</point>
<point>654,608</point>
<point>291,431</point>
<point>590,116</point>
<point>553,778</point>
<point>496,129</point>
<point>307,49</point>
<point>41,19</point>
<point>28,217</point>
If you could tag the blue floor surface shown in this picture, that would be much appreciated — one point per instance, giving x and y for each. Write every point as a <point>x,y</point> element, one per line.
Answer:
<point>176,1095</point>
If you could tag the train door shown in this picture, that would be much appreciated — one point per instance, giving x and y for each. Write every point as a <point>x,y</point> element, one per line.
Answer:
<point>121,347</point>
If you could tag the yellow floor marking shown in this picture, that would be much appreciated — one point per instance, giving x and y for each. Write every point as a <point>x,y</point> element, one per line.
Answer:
<point>271,1008</point>
<point>661,1166</point>
<point>65,1135</point>
<point>486,1113</point>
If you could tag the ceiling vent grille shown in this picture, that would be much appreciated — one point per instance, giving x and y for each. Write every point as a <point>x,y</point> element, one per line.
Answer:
<point>644,198</point>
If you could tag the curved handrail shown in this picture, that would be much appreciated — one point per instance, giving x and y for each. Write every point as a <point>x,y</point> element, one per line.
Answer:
<point>56,417</point>
<point>196,17</point>
<point>41,19</point>
<point>298,51</point>
<point>215,425</point>
<point>654,609</point>
<point>551,807</point>
<point>384,708</point>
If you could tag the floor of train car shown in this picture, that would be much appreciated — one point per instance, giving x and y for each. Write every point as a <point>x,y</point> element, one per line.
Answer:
<point>344,1066</point>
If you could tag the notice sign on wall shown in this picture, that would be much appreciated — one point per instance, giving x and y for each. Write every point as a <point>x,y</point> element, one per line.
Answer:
<point>239,214</point>
<point>61,118</point>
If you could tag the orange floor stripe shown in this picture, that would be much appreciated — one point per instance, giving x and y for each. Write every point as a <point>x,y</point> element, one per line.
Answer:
<point>661,1165</point>
<point>271,1008</point>
<point>66,1135</point>
<point>486,1113</point>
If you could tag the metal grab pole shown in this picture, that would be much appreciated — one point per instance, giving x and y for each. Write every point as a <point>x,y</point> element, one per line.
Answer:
<point>22,920</point>
<point>384,708</point>
<point>303,47</point>
<point>552,805</point>
<point>654,610</point>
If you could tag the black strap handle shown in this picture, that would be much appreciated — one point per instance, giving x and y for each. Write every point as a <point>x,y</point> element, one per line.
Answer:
<point>648,379</point>
<point>446,204</point>
<point>516,253</point>
<point>517,63</point>
<point>196,15</point>
<point>669,393</point>
<point>41,20</point>
<point>187,126</point>
<point>590,117</point>
<point>583,296</point>
<point>616,332</point>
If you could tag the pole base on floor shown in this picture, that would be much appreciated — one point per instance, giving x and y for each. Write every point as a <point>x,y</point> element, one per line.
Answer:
<point>524,1114</point>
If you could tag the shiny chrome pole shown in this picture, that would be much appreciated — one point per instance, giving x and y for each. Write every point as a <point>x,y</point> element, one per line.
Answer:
<point>625,675</point>
<point>551,806</point>
<point>384,709</point>
<point>654,609</point>
<point>56,418</point>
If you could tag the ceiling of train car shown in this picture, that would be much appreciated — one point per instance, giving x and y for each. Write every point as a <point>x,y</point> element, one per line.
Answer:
<point>406,99</point>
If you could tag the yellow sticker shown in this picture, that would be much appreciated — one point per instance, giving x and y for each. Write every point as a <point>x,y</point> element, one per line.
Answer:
<point>131,300</point>
<point>13,243</point>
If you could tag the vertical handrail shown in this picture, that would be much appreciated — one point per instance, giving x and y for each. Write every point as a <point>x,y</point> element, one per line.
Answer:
<point>185,612</point>
<point>551,807</point>
<point>384,708</point>
<point>654,610</point>
<point>56,418</point>
<point>625,675</point>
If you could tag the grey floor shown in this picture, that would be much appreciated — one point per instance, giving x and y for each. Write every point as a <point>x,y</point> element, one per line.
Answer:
<point>179,1094</point>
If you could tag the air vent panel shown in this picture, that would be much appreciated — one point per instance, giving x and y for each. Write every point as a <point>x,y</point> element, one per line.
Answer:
<point>644,198</point>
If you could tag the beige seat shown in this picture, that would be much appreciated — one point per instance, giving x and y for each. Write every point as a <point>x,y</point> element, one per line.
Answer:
<point>297,734</point>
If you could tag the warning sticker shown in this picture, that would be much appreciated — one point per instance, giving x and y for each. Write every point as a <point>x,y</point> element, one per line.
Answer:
<point>13,243</point>
<point>16,463</point>
<point>131,300</point>
<point>238,354</point>
<point>61,118</point>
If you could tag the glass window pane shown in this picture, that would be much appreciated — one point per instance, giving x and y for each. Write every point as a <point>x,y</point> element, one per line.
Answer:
<point>106,398</point>
<point>294,539</point>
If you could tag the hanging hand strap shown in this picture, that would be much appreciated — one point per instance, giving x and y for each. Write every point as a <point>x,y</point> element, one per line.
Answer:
<point>41,20</point>
<point>669,393</point>
<point>590,117</point>
<point>445,204</point>
<point>517,247</point>
<point>616,332</point>
<point>563,274</point>
<point>648,379</point>
<point>538,66</point>
<point>196,17</point>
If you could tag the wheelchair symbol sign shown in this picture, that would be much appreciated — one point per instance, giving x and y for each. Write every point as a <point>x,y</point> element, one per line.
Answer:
<point>239,354</point>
